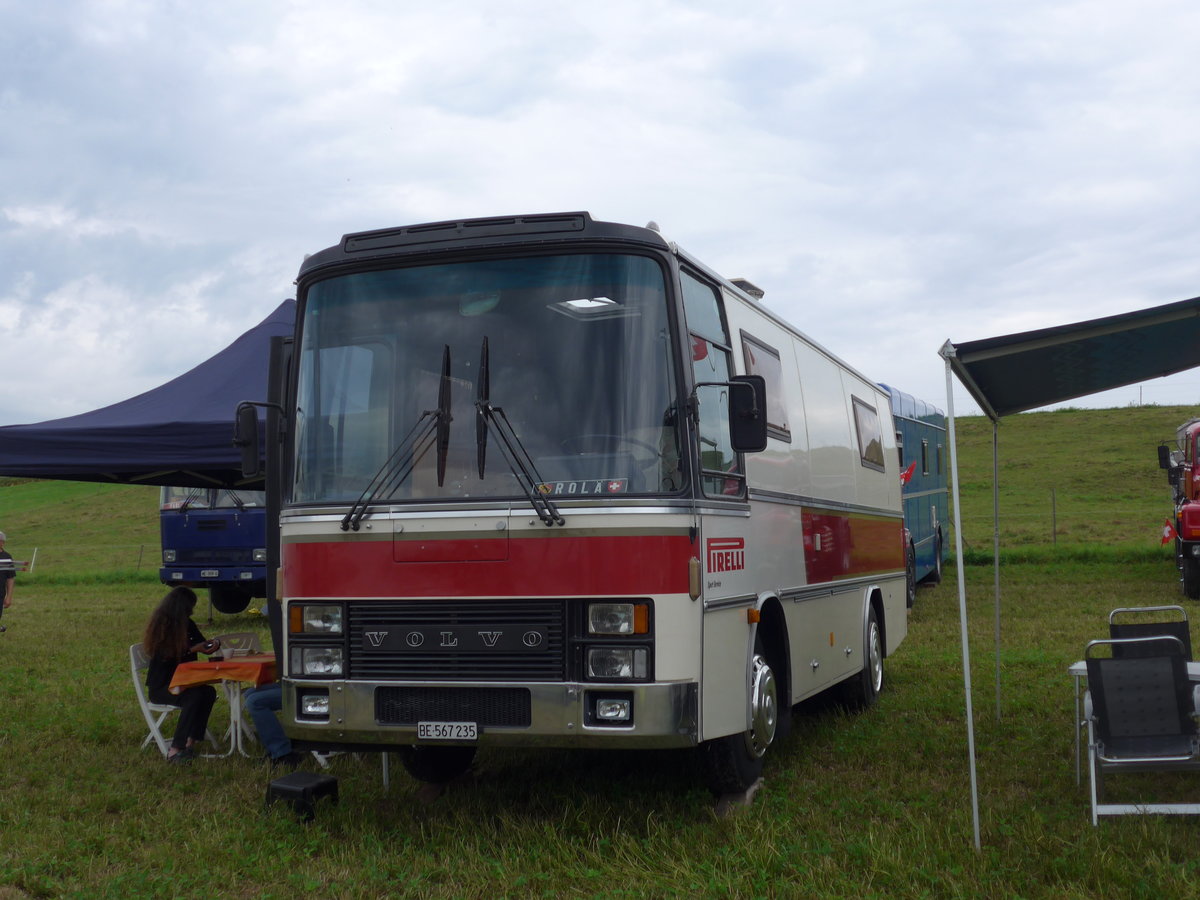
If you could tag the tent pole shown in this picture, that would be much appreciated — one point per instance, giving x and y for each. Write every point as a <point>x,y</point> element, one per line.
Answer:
<point>962,598</point>
<point>996,546</point>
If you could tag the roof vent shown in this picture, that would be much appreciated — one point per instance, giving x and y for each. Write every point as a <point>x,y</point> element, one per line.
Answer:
<point>653,226</point>
<point>749,287</point>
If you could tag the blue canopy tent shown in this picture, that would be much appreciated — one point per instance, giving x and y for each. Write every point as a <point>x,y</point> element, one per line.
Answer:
<point>1019,372</point>
<point>178,434</point>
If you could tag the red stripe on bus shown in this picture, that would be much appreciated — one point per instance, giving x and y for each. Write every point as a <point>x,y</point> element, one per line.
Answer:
<point>602,565</point>
<point>841,545</point>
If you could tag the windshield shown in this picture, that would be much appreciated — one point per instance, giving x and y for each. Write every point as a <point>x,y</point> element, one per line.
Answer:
<point>210,498</point>
<point>578,361</point>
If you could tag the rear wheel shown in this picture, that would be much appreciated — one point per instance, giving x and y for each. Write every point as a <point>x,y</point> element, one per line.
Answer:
<point>863,689</point>
<point>734,762</point>
<point>436,765</point>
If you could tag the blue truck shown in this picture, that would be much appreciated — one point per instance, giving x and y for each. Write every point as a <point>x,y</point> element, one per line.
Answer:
<point>215,538</point>
<point>921,442</point>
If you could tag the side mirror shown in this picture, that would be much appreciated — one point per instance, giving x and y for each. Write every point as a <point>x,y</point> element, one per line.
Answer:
<point>245,436</point>
<point>748,413</point>
<point>1164,456</point>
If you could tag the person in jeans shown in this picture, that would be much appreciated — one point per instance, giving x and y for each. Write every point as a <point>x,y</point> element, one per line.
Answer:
<point>172,638</point>
<point>8,574</point>
<point>262,703</point>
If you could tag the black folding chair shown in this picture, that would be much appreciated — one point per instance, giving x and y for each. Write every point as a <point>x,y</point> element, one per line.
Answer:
<point>1131,622</point>
<point>1141,717</point>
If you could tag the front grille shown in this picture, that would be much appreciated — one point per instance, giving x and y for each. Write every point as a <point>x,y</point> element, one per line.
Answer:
<point>493,707</point>
<point>429,663</point>
<point>214,556</point>
<point>211,524</point>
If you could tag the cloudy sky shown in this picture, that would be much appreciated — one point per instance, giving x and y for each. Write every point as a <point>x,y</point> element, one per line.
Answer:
<point>893,172</point>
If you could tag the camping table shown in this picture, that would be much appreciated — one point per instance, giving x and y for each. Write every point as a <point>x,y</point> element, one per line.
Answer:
<point>254,668</point>
<point>1078,670</point>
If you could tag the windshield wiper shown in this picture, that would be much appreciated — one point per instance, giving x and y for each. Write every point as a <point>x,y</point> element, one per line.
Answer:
<point>518,459</point>
<point>433,426</point>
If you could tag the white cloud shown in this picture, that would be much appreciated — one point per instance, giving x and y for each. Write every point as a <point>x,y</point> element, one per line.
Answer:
<point>894,173</point>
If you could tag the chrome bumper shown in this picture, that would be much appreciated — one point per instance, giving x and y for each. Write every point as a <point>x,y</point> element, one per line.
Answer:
<point>664,716</point>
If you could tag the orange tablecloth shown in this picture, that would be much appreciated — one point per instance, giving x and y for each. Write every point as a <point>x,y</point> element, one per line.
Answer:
<point>255,668</point>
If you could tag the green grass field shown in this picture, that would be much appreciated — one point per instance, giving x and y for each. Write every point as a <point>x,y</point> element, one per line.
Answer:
<point>867,805</point>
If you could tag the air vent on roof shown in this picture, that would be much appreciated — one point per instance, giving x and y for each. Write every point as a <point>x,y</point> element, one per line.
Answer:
<point>749,287</point>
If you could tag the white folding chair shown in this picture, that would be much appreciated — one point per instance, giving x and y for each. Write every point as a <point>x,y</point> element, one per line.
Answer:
<point>238,642</point>
<point>154,713</point>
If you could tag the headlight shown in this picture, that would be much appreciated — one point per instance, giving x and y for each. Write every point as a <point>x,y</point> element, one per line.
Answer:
<point>315,619</point>
<point>618,618</point>
<point>260,554</point>
<point>317,661</point>
<point>617,663</point>
<point>168,556</point>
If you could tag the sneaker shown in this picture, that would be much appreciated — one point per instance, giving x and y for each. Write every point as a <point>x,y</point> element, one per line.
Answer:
<point>182,758</point>
<point>3,629</point>
<point>291,759</point>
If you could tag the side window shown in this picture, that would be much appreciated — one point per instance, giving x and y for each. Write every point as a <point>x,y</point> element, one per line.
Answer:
<point>763,360</point>
<point>870,438</point>
<point>924,457</point>
<point>939,459</point>
<point>720,467</point>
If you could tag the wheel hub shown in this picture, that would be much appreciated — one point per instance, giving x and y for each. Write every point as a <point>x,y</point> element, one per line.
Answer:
<point>764,710</point>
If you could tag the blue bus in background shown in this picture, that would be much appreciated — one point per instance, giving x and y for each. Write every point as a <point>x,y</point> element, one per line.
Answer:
<point>921,442</point>
<point>215,538</point>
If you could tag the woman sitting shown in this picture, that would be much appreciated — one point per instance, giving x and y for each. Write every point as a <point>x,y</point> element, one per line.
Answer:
<point>171,638</point>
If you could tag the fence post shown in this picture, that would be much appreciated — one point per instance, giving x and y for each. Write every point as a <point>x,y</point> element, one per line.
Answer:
<point>1053,517</point>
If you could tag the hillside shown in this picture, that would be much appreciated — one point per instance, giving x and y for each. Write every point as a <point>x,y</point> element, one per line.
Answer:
<point>81,527</point>
<point>1068,478</point>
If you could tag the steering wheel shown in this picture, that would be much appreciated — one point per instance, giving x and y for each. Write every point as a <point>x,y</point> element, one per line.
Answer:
<point>578,444</point>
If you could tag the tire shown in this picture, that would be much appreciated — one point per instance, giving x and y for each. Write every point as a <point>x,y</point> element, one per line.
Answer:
<point>862,690</point>
<point>436,765</point>
<point>734,762</point>
<point>228,598</point>
<point>935,577</point>
<point>1190,567</point>
<point>910,577</point>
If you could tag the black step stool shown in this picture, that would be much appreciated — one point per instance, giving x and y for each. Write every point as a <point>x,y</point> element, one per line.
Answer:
<point>302,790</point>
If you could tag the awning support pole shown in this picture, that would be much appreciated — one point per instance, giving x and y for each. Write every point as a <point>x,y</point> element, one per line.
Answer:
<point>962,603</point>
<point>996,546</point>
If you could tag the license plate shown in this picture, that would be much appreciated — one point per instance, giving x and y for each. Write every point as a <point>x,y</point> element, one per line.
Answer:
<point>210,573</point>
<point>447,731</point>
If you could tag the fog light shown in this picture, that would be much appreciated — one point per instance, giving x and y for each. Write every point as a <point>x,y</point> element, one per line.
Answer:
<point>314,705</point>
<point>246,576</point>
<point>177,576</point>
<point>612,710</point>
<point>1195,549</point>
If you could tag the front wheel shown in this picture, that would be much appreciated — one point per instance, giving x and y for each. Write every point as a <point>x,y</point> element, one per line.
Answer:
<point>910,577</point>
<point>935,576</point>
<point>436,765</point>
<point>229,598</point>
<point>1191,577</point>
<point>734,762</point>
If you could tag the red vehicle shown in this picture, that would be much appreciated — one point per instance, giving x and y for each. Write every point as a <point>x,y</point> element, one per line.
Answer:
<point>1183,473</point>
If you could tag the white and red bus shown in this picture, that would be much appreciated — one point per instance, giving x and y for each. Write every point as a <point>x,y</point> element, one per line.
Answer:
<point>549,481</point>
